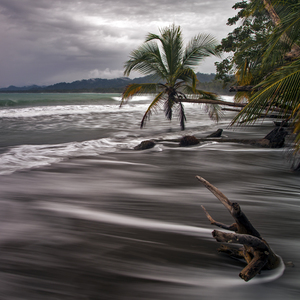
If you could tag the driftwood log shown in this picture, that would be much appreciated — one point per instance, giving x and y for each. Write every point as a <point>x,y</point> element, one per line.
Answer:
<point>255,250</point>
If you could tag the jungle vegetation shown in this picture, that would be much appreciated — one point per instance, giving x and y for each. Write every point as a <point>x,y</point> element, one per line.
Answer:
<point>265,61</point>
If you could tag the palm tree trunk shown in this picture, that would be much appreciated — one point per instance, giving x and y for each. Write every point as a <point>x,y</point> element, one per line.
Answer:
<point>219,102</point>
<point>273,15</point>
<point>295,49</point>
<point>210,101</point>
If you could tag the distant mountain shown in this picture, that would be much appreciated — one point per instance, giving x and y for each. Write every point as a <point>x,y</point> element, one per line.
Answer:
<point>99,85</point>
<point>13,88</point>
<point>85,85</point>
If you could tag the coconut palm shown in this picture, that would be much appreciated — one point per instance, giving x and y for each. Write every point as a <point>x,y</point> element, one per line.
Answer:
<point>170,64</point>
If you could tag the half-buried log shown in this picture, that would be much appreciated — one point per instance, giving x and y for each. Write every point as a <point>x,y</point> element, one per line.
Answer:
<point>255,250</point>
<point>188,140</point>
<point>145,145</point>
<point>217,133</point>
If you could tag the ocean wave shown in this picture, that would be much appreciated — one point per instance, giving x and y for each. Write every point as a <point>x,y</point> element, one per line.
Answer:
<point>26,157</point>
<point>32,105</point>
<point>41,99</point>
<point>135,98</point>
<point>38,111</point>
<point>53,99</point>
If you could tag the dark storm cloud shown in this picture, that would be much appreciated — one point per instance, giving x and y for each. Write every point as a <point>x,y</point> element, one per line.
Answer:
<point>46,41</point>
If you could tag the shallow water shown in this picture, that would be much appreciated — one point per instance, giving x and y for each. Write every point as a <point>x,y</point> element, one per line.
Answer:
<point>83,216</point>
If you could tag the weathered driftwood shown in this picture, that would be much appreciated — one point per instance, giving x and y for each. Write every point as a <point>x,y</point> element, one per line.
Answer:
<point>255,250</point>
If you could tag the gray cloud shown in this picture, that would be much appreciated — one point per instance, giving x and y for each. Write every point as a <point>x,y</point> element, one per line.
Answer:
<point>44,41</point>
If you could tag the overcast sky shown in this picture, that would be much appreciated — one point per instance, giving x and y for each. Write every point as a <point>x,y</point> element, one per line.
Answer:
<point>48,41</point>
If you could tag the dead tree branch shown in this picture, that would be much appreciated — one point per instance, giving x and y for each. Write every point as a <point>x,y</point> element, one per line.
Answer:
<point>255,250</point>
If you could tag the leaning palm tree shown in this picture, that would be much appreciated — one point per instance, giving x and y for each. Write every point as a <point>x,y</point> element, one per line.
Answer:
<point>170,64</point>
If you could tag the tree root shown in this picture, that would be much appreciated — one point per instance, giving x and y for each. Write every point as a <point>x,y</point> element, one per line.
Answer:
<point>255,250</point>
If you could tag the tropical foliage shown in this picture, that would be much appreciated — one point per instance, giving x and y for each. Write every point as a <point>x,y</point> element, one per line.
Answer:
<point>275,71</point>
<point>172,66</point>
<point>245,46</point>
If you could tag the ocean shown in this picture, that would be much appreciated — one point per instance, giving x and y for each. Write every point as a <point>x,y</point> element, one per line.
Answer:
<point>84,216</point>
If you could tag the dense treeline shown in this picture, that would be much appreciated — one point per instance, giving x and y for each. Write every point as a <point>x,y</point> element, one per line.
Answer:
<point>265,61</point>
<point>215,86</point>
<point>98,85</point>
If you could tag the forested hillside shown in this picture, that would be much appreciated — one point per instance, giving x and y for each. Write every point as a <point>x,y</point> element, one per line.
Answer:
<point>117,85</point>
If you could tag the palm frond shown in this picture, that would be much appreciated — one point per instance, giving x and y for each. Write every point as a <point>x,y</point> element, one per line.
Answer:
<point>207,95</point>
<point>242,96</point>
<point>181,115</point>
<point>280,90</point>
<point>138,89</point>
<point>201,46</point>
<point>214,111</point>
<point>172,44</point>
<point>287,32</point>
<point>153,106</point>
<point>187,76</point>
<point>152,36</point>
<point>172,48</point>
<point>168,107</point>
<point>147,60</point>
<point>199,94</point>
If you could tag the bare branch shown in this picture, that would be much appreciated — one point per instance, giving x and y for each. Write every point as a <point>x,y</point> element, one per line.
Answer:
<point>243,239</point>
<point>232,227</point>
<point>216,192</point>
<point>256,251</point>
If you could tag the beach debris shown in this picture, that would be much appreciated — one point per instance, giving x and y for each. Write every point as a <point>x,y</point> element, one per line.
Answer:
<point>188,140</point>
<point>145,145</point>
<point>217,133</point>
<point>276,137</point>
<point>255,250</point>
